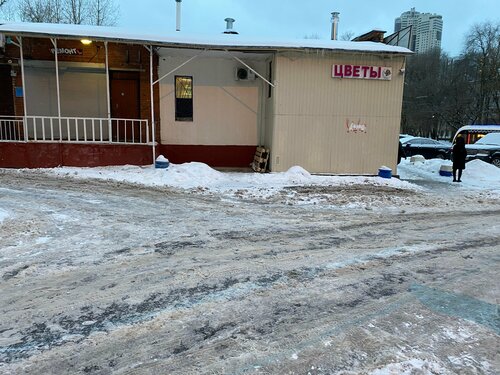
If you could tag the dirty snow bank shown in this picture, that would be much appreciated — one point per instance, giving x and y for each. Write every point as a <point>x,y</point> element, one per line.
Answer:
<point>200,176</point>
<point>478,175</point>
<point>299,187</point>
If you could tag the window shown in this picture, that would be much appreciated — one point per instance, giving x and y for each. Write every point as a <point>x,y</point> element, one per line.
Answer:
<point>183,98</point>
<point>415,141</point>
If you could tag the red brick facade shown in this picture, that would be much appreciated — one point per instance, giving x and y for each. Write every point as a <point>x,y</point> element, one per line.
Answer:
<point>122,57</point>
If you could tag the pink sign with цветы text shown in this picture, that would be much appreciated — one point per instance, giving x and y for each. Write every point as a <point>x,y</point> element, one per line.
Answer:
<point>361,72</point>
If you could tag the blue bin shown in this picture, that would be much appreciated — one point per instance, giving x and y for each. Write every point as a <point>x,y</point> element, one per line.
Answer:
<point>446,170</point>
<point>445,173</point>
<point>162,164</point>
<point>385,172</point>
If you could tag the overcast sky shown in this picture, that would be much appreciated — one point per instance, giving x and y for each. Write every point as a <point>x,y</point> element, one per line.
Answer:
<point>297,19</point>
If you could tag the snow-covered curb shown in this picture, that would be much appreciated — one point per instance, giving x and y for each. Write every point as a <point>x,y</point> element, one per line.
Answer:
<point>299,187</point>
<point>200,176</point>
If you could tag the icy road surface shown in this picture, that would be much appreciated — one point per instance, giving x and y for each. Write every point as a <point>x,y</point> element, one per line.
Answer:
<point>107,278</point>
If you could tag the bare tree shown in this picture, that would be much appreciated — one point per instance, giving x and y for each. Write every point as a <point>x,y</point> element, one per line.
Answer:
<point>41,11</point>
<point>75,11</point>
<point>8,10</point>
<point>421,95</point>
<point>348,35</point>
<point>103,12</point>
<point>441,94</point>
<point>482,46</point>
<point>93,12</point>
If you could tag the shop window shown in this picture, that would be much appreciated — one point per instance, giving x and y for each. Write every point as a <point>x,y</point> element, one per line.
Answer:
<point>183,98</point>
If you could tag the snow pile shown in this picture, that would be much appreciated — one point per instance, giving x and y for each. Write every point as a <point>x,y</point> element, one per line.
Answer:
<point>477,174</point>
<point>162,158</point>
<point>200,176</point>
<point>298,186</point>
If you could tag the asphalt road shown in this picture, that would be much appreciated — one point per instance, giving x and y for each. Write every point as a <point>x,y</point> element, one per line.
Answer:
<point>106,278</point>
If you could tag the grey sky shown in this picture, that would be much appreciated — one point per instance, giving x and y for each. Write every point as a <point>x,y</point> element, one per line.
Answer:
<point>296,19</point>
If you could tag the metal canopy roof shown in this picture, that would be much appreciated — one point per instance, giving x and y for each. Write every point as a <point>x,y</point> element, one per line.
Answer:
<point>182,40</point>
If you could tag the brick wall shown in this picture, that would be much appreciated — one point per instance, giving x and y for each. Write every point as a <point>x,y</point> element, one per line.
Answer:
<point>120,56</point>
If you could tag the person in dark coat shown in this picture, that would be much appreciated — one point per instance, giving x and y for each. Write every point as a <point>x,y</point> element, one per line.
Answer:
<point>459,154</point>
<point>401,152</point>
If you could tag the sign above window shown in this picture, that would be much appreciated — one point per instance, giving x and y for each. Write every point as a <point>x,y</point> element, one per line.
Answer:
<point>362,72</point>
<point>67,51</point>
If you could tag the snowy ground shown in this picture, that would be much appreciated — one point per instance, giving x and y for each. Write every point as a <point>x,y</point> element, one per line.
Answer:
<point>135,270</point>
<point>297,186</point>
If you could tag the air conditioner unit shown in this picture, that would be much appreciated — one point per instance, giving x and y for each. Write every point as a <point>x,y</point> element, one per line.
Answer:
<point>244,74</point>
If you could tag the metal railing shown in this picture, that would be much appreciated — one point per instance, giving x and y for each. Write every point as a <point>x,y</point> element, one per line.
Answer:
<point>11,128</point>
<point>74,130</point>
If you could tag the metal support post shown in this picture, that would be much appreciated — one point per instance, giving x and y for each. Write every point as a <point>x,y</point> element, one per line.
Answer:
<point>108,98</point>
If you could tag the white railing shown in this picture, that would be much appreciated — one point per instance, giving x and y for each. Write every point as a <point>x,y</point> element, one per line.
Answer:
<point>11,128</point>
<point>74,130</point>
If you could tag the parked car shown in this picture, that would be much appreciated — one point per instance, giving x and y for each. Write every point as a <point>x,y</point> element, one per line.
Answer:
<point>486,149</point>
<point>428,148</point>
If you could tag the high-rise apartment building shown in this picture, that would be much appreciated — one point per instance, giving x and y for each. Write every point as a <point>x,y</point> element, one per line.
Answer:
<point>427,29</point>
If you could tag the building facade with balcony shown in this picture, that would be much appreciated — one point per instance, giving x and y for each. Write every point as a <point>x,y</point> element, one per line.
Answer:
<point>427,29</point>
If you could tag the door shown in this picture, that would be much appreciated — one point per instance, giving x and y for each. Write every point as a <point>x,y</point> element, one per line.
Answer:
<point>6,92</point>
<point>125,106</point>
<point>9,129</point>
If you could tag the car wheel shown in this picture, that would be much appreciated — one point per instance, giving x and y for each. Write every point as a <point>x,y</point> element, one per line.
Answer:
<point>496,161</point>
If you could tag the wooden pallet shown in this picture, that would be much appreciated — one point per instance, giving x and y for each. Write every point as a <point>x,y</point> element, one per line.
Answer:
<point>260,159</point>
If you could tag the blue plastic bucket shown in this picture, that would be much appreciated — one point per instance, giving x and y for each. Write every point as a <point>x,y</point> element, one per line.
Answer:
<point>446,170</point>
<point>445,173</point>
<point>385,172</point>
<point>161,162</point>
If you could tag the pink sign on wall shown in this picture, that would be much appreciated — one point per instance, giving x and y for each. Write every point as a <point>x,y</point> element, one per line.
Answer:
<point>362,72</point>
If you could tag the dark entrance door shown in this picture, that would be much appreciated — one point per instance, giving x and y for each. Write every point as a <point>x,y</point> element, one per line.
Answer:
<point>6,92</point>
<point>125,106</point>
<point>10,129</point>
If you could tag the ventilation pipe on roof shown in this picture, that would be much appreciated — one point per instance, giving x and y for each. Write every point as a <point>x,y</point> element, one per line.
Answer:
<point>229,26</point>
<point>178,15</point>
<point>335,25</point>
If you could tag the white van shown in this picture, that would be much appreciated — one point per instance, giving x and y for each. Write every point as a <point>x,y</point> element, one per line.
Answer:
<point>472,133</point>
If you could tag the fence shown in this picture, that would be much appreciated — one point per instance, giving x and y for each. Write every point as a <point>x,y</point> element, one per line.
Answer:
<point>74,130</point>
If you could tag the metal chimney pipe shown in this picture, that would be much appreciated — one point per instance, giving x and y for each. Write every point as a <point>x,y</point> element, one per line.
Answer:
<point>178,15</point>
<point>229,23</point>
<point>229,26</point>
<point>335,25</point>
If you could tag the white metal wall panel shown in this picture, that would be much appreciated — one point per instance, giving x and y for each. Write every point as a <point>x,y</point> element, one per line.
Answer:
<point>225,111</point>
<point>313,109</point>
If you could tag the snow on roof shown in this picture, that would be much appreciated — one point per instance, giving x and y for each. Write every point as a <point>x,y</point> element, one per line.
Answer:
<point>181,39</point>
<point>480,127</point>
<point>490,139</point>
